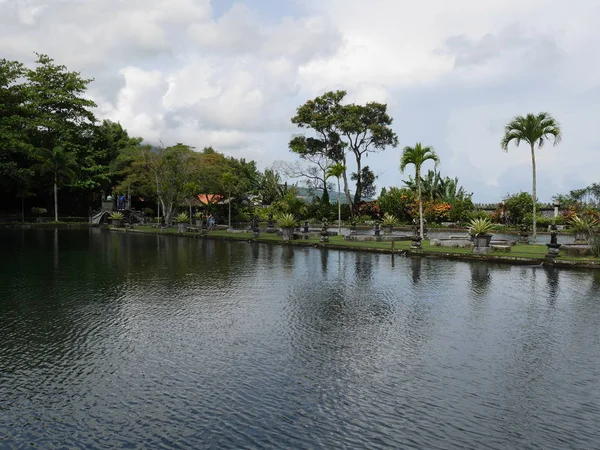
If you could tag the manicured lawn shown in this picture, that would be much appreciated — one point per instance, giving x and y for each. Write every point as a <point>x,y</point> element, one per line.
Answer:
<point>531,251</point>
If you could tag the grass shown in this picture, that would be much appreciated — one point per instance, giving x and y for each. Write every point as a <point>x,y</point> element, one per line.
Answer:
<point>534,252</point>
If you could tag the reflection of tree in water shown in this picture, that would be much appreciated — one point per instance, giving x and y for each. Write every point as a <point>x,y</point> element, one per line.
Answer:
<point>553,283</point>
<point>287,255</point>
<point>364,266</point>
<point>324,260</point>
<point>415,266</point>
<point>595,285</point>
<point>480,278</point>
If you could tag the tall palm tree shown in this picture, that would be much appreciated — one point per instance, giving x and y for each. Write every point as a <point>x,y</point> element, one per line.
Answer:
<point>59,162</point>
<point>417,155</point>
<point>337,170</point>
<point>533,129</point>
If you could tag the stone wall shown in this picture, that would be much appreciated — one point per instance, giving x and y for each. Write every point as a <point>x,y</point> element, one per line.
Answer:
<point>546,209</point>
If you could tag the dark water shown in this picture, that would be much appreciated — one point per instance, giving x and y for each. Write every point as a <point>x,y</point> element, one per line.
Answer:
<point>137,341</point>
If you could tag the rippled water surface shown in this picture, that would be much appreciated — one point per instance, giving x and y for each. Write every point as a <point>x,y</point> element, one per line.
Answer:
<point>138,341</point>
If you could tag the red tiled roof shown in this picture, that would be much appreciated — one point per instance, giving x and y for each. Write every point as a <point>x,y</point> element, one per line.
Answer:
<point>209,199</point>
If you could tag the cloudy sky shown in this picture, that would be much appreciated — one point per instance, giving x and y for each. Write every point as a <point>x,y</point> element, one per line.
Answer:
<point>231,73</point>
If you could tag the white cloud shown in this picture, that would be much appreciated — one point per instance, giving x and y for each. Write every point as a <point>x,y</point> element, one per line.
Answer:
<point>452,73</point>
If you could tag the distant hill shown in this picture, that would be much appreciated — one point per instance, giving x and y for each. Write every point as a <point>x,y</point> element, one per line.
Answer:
<point>308,195</point>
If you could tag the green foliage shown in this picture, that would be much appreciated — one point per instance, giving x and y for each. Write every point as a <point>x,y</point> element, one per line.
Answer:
<point>389,220</point>
<point>518,208</point>
<point>291,204</point>
<point>479,215</point>
<point>165,171</point>
<point>318,210</point>
<point>461,208</point>
<point>366,128</point>
<point>370,209</point>
<point>182,218</point>
<point>367,179</point>
<point>397,201</point>
<point>359,128</point>
<point>116,216</point>
<point>434,187</point>
<point>582,224</point>
<point>417,156</point>
<point>544,222</point>
<point>534,130</point>
<point>480,227</point>
<point>286,220</point>
<point>38,211</point>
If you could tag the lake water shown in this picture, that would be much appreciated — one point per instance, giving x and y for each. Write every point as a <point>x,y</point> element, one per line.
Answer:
<point>114,340</point>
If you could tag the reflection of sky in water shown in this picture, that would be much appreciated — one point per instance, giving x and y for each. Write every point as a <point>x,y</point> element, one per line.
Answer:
<point>123,340</point>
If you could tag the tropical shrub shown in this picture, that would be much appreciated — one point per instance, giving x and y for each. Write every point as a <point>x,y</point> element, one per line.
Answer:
<point>319,210</point>
<point>182,218</point>
<point>480,215</point>
<point>461,208</point>
<point>518,207</point>
<point>286,220</point>
<point>116,216</point>
<point>583,224</point>
<point>370,209</point>
<point>38,211</point>
<point>480,227</point>
<point>389,220</point>
<point>397,202</point>
<point>291,204</point>
<point>435,211</point>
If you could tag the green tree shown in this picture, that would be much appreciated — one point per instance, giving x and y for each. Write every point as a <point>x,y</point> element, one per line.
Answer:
<point>416,156</point>
<point>60,119</point>
<point>518,207</point>
<point>366,128</point>
<point>113,153</point>
<point>368,179</point>
<point>337,170</point>
<point>60,163</point>
<point>326,147</point>
<point>534,130</point>
<point>16,157</point>
<point>271,187</point>
<point>167,170</point>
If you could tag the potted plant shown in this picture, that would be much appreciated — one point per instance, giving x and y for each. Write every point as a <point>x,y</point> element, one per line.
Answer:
<point>38,212</point>
<point>389,222</point>
<point>182,222</point>
<point>480,230</point>
<point>198,217</point>
<point>116,218</point>
<point>582,227</point>
<point>286,222</point>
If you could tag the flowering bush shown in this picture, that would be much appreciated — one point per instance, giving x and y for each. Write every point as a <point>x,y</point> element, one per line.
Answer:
<point>433,211</point>
<point>370,209</point>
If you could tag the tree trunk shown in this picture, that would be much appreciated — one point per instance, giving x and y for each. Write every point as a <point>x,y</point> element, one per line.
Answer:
<point>347,192</point>
<point>358,192</point>
<point>191,217</point>
<point>420,202</point>
<point>229,222</point>
<point>55,197</point>
<point>157,199</point>
<point>534,195</point>
<point>339,209</point>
